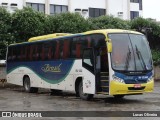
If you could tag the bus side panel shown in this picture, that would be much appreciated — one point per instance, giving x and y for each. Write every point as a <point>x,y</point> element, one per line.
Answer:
<point>88,82</point>
<point>68,82</point>
<point>14,78</point>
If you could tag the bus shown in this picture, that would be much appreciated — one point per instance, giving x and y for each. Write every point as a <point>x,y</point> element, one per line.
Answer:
<point>112,62</point>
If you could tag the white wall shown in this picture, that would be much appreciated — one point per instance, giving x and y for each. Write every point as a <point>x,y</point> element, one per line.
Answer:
<point>134,6</point>
<point>86,4</point>
<point>59,2</point>
<point>115,6</point>
<point>36,1</point>
<point>9,7</point>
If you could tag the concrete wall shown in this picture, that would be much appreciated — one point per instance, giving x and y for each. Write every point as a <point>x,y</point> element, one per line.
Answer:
<point>157,72</point>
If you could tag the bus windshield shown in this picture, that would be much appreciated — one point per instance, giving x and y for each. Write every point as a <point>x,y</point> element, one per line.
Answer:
<point>130,52</point>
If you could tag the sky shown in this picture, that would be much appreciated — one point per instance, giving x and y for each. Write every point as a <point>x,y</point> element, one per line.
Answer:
<point>151,9</point>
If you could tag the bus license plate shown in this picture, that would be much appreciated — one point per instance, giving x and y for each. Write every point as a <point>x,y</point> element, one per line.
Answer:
<point>137,85</point>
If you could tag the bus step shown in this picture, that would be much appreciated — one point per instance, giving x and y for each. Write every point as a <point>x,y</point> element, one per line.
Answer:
<point>104,73</point>
<point>104,78</point>
<point>105,86</point>
<point>104,93</point>
<point>104,83</point>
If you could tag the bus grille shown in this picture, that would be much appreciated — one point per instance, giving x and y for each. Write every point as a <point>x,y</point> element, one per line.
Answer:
<point>133,88</point>
<point>135,81</point>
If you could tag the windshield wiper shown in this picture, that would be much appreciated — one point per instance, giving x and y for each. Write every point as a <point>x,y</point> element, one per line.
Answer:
<point>128,58</point>
<point>140,58</point>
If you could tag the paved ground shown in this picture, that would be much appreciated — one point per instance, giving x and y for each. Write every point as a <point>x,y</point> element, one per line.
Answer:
<point>13,98</point>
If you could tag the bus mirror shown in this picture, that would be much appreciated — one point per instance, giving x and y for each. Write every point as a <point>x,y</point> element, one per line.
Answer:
<point>109,46</point>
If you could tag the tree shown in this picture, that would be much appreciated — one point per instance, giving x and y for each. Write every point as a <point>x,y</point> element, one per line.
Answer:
<point>67,23</point>
<point>27,23</point>
<point>5,31</point>
<point>109,22</point>
<point>150,28</point>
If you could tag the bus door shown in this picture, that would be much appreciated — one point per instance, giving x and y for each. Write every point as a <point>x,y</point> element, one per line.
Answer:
<point>102,70</point>
<point>95,71</point>
<point>89,69</point>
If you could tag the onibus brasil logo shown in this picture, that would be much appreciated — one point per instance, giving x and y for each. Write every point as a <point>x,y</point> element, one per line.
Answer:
<point>49,68</point>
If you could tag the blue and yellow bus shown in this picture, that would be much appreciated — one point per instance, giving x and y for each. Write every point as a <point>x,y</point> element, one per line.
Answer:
<point>111,62</point>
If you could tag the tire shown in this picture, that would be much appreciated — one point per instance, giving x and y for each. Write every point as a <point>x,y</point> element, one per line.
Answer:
<point>84,96</point>
<point>118,96</point>
<point>27,86</point>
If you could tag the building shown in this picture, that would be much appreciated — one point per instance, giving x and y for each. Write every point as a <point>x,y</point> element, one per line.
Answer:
<point>124,9</point>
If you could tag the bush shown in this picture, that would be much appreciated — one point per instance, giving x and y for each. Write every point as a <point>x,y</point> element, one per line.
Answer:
<point>150,28</point>
<point>27,23</point>
<point>156,57</point>
<point>68,23</point>
<point>109,22</point>
<point>5,31</point>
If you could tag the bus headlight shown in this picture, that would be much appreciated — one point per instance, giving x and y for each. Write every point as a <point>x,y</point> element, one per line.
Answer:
<point>117,79</point>
<point>150,79</point>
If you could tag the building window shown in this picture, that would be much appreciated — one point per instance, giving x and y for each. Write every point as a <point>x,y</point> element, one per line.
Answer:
<point>56,9</point>
<point>134,14</point>
<point>96,12</point>
<point>37,6</point>
<point>138,1</point>
<point>140,5</point>
<point>135,1</point>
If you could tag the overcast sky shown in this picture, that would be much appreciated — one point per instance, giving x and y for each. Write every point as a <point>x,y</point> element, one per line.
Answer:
<point>151,9</point>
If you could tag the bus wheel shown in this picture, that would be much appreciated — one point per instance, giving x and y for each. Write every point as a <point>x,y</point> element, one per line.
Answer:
<point>82,95</point>
<point>27,86</point>
<point>118,96</point>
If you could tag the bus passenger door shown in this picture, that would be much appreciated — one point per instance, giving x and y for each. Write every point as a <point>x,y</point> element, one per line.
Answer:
<point>88,63</point>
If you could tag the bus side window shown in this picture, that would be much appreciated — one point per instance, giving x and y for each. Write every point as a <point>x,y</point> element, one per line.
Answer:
<point>39,52</point>
<point>31,52</point>
<point>53,49</point>
<point>14,54</point>
<point>61,48</point>
<point>76,48</point>
<point>46,51</point>
<point>57,51</point>
<point>66,49</point>
<point>28,52</point>
<point>10,52</point>
<point>88,38</point>
<point>34,55</point>
<point>84,44</point>
<point>73,47</point>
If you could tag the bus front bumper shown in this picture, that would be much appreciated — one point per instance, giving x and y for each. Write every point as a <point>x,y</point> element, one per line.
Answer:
<point>117,88</point>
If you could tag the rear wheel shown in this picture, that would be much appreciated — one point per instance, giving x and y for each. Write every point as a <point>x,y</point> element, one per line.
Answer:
<point>27,86</point>
<point>83,95</point>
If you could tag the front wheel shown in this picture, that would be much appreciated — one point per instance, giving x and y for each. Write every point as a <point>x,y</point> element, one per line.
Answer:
<point>27,86</point>
<point>83,95</point>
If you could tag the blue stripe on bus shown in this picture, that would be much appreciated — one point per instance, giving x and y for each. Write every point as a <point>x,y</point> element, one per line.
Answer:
<point>50,71</point>
<point>138,78</point>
